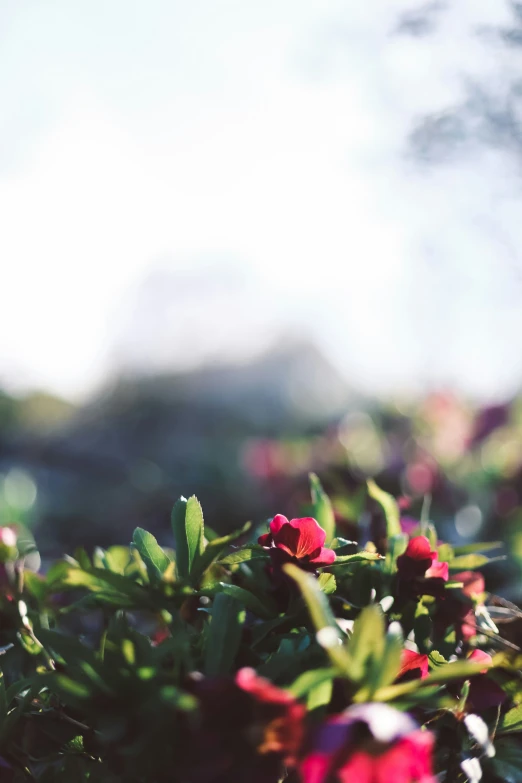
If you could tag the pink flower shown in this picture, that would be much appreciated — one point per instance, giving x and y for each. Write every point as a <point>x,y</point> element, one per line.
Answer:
<point>413,665</point>
<point>370,743</point>
<point>299,539</point>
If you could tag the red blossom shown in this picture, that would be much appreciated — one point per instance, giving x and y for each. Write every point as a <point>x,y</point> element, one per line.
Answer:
<point>283,735</point>
<point>299,539</point>
<point>370,743</point>
<point>419,572</point>
<point>413,665</point>
<point>417,558</point>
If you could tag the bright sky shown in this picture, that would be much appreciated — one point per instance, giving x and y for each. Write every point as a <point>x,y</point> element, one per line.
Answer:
<point>185,180</point>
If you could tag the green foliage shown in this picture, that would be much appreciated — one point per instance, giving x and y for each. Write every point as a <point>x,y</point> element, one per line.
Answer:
<point>107,657</point>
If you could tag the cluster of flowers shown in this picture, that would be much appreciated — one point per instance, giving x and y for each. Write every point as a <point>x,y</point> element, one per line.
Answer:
<point>367,743</point>
<point>297,657</point>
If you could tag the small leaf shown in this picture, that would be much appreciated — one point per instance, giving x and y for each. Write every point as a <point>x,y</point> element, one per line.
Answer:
<point>366,641</point>
<point>222,643</point>
<point>243,555</point>
<point>327,583</point>
<point>195,529</point>
<point>357,557</point>
<point>320,695</point>
<point>322,508</point>
<point>511,721</point>
<point>342,545</point>
<point>155,559</point>
<point>180,537</point>
<point>188,529</point>
<point>263,609</point>
<point>322,617</point>
<point>214,549</point>
<point>484,546</point>
<point>396,547</point>
<point>468,562</point>
<point>388,667</point>
<point>310,680</point>
<point>458,670</point>
<point>389,506</point>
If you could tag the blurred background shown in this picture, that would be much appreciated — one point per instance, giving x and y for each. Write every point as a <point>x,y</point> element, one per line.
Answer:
<point>243,241</point>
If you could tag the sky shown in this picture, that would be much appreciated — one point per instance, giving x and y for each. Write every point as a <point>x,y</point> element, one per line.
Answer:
<point>185,182</point>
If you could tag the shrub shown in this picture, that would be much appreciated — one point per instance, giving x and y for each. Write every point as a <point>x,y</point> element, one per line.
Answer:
<point>282,652</point>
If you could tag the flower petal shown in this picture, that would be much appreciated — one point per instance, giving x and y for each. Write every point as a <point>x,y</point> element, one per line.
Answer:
<point>277,523</point>
<point>419,548</point>
<point>265,539</point>
<point>438,570</point>
<point>413,663</point>
<point>311,535</point>
<point>325,557</point>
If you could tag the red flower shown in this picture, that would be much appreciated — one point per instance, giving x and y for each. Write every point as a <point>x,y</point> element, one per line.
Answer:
<point>247,730</point>
<point>417,559</point>
<point>283,734</point>
<point>419,572</point>
<point>370,743</point>
<point>299,539</point>
<point>413,666</point>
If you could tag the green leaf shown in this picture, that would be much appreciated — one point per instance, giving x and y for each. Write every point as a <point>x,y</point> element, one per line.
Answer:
<point>320,695</point>
<point>342,545</point>
<point>263,609</point>
<point>243,555</point>
<point>357,557</point>
<point>214,549</point>
<point>468,562</point>
<point>155,559</point>
<point>195,529</point>
<point>366,641</point>
<point>189,534</point>
<point>458,670</point>
<point>178,515</point>
<point>224,637</point>
<point>389,506</point>
<point>110,587</point>
<point>322,508</point>
<point>118,558</point>
<point>309,680</point>
<point>511,721</point>
<point>327,583</point>
<point>396,547</point>
<point>486,546</point>
<point>322,617</point>
<point>507,763</point>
